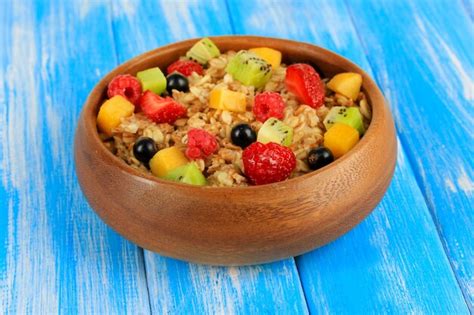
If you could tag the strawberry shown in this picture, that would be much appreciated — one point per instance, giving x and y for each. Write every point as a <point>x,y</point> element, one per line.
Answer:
<point>268,163</point>
<point>185,67</point>
<point>268,104</point>
<point>125,85</point>
<point>201,144</point>
<point>303,81</point>
<point>161,109</point>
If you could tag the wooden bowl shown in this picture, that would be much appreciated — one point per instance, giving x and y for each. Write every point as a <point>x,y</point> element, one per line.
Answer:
<point>242,225</point>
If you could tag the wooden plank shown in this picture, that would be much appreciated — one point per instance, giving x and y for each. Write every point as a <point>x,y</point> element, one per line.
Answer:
<point>55,253</point>
<point>469,6</point>
<point>177,286</point>
<point>429,79</point>
<point>394,261</point>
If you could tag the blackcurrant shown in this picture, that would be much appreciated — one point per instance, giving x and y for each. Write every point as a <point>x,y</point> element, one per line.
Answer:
<point>176,81</point>
<point>319,157</point>
<point>243,135</point>
<point>144,149</point>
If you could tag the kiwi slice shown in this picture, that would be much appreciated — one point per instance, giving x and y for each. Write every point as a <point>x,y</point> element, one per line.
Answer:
<point>203,51</point>
<point>274,130</point>
<point>187,174</point>
<point>249,69</point>
<point>345,115</point>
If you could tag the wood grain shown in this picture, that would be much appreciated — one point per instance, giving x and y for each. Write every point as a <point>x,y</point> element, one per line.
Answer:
<point>434,109</point>
<point>55,253</point>
<point>394,261</point>
<point>178,286</point>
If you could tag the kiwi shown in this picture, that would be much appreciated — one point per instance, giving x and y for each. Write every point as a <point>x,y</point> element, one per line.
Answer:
<point>274,130</point>
<point>249,69</point>
<point>152,79</point>
<point>187,174</point>
<point>345,115</point>
<point>203,51</point>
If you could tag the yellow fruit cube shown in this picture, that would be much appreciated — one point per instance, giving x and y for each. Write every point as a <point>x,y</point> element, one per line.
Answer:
<point>112,112</point>
<point>340,139</point>
<point>347,84</point>
<point>270,55</point>
<point>167,160</point>
<point>227,100</point>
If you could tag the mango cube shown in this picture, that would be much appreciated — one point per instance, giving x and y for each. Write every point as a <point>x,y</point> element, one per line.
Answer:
<point>152,79</point>
<point>111,113</point>
<point>270,55</point>
<point>347,84</point>
<point>227,100</point>
<point>340,139</point>
<point>167,160</point>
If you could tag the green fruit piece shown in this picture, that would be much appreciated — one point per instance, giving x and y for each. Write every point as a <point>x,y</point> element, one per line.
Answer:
<point>203,51</point>
<point>249,69</point>
<point>274,130</point>
<point>187,174</point>
<point>345,115</point>
<point>152,79</point>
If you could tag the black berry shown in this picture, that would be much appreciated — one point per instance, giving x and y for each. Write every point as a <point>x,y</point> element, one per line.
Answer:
<point>319,157</point>
<point>176,81</point>
<point>243,135</point>
<point>144,149</point>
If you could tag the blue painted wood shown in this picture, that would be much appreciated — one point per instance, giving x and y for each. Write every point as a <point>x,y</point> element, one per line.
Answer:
<point>55,253</point>
<point>177,286</point>
<point>394,261</point>
<point>180,287</point>
<point>469,6</point>
<point>434,108</point>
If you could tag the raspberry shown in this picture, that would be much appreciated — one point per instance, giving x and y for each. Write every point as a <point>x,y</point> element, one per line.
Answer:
<point>185,67</point>
<point>303,81</point>
<point>201,144</point>
<point>159,109</point>
<point>268,163</point>
<point>125,85</point>
<point>268,104</point>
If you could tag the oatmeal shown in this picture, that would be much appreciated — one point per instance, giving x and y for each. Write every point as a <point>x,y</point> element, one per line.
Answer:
<point>232,119</point>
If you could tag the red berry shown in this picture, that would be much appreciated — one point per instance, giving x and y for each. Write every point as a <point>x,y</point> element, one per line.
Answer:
<point>125,85</point>
<point>185,67</point>
<point>201,144</point>
<point>303,81</point>
<point>161,109</point>
<point>268,163</point>
<point>268,104</point>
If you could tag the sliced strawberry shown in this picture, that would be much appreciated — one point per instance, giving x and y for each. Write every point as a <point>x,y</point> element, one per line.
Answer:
<point>159,109</point>
<point>303,81</point>
<point>185,67</point>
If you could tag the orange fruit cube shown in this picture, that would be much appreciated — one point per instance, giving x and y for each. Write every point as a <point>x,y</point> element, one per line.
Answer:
<point>270,55</point>
<point>166,160</point>
<point>340,139</point>
<point>111,113</point>
<point>227,100</point>
<point>347,84</point>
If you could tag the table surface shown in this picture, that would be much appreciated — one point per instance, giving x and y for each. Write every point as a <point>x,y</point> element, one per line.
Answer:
<point>413,254</point>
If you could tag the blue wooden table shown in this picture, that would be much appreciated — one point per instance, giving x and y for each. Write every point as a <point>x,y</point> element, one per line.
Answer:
<point>413,254</point>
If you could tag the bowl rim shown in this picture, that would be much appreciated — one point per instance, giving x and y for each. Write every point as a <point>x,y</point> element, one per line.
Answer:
<point>89,117</point>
